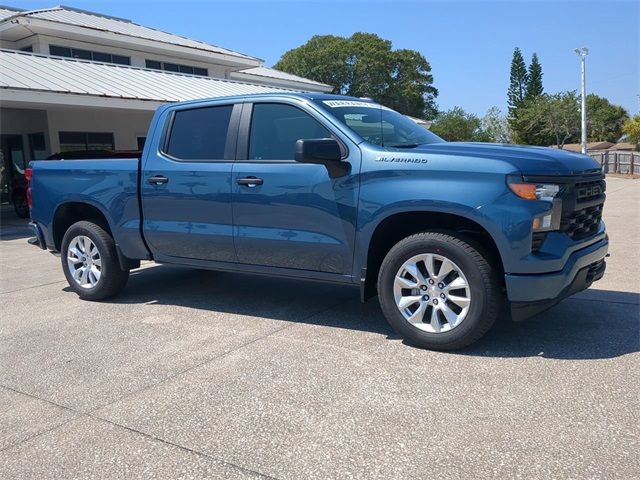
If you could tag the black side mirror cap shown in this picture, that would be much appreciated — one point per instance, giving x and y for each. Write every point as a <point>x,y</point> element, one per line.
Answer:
<point>318,150</point>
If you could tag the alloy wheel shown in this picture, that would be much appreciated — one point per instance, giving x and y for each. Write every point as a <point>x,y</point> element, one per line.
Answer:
<point>432,293</point>
<point>84,261</point>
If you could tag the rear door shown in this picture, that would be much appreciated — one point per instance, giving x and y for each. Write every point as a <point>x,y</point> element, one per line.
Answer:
<point>186,184</point>
<point>289,214</point>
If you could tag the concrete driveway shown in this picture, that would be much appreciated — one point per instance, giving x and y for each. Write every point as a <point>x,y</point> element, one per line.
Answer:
<point>192,374</point>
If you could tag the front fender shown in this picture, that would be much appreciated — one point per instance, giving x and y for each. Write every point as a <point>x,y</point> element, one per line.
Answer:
<point>481,198</point>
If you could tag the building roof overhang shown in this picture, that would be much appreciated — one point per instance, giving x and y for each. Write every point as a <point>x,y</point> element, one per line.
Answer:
<point>32,80</point>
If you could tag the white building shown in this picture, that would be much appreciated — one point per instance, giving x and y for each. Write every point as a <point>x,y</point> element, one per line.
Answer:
<point>77,80</point>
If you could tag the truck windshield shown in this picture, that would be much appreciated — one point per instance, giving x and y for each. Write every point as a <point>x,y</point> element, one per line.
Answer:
<point>379,125</point>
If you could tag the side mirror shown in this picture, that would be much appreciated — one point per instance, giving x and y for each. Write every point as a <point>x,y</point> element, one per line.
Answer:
<point>318,150</point>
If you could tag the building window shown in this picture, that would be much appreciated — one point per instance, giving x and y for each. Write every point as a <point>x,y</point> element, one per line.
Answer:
<point>88,55</point>
<point>37,147</point>
<point>153,64</point>
<point>12,150</point>
<point>27,49</point>
<point>120,60</point>
<point>174,67</point>
<point>85,141</point>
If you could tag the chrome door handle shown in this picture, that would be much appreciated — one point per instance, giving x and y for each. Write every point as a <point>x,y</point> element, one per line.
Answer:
<point>158,180</point>
<point>250,181</point>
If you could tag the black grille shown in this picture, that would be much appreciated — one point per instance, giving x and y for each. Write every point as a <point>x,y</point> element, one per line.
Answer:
<point>582,223</point>
<point>582,199</point>
<point>587,191</point>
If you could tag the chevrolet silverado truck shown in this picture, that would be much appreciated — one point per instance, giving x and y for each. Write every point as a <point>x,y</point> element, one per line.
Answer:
<point>333,189</point>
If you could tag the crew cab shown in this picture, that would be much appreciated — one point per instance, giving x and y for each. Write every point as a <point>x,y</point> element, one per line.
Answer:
<point>334,189</point>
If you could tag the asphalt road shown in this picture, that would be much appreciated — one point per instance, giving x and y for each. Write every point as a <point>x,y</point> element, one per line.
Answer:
<point>192,374</point>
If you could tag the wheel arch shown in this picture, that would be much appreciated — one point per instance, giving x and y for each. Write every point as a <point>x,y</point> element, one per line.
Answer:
<point>393,228</point>
<point>68,213</point>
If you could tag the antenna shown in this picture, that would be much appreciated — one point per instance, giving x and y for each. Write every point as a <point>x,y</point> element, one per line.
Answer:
<point>381,127</point>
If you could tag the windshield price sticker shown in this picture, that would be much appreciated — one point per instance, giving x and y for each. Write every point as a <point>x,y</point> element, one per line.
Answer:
<point>352,103</point>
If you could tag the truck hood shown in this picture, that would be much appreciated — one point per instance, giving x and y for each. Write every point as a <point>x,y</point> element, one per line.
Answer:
<point>529,160</point>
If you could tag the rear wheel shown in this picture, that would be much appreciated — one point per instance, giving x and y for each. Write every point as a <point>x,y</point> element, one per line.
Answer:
<point>90,262</point>
<point>438,291</point>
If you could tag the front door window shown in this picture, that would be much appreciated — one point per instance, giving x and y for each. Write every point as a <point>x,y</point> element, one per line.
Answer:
<point>275,128</point>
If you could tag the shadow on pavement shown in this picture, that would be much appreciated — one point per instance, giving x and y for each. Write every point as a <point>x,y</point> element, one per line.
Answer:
<point>13,227</point>
<point>577,328</point>
<point>603,324</point>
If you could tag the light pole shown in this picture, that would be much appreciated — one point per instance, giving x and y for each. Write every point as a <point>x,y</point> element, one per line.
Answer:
<point>583,52</point>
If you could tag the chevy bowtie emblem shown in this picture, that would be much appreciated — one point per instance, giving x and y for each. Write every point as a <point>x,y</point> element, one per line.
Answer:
<point>589,191</point>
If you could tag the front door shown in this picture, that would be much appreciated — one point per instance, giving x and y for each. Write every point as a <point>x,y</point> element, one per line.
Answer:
<point>288,214</point>
<point>186,186</point>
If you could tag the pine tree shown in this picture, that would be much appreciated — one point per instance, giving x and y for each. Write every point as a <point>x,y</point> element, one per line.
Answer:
<point>534,81</point>
<point>517,82</point>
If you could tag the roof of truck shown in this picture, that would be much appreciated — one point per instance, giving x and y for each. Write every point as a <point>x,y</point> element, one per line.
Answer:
<point>285,94</point>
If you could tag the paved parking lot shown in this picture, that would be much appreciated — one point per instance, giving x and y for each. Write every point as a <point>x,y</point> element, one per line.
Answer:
<point>192,374</point>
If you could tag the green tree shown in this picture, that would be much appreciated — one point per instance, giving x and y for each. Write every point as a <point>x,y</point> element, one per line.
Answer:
<point>411,92</point>
<point>370,59</point>
<point>548,119</point>
<point>324,58</point>
<point>365,65</point>
<point>496,127</point>
<point>517,82</point>
<point>604,120</point>
<point>534,78</point>
<point>456,125</point>
<point>631,128</point>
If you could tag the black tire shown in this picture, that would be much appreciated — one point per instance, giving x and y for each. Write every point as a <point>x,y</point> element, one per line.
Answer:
<point>112,278</point>
<point>485,290</point>
<point>20,205</point>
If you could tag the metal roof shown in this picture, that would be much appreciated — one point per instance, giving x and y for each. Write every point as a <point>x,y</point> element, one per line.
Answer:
<point>82,18</point>
<point>277,74</point>
<point>33,72</point>
<point>6,12</point>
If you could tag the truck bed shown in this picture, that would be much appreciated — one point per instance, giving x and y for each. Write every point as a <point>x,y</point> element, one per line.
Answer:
<point>109,185</point>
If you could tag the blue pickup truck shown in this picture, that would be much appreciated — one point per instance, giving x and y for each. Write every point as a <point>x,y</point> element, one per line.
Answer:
<point>334,189</point>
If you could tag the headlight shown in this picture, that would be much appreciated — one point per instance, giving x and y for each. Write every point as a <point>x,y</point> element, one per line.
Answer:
<point>534,191</point>
<point>547,192</point>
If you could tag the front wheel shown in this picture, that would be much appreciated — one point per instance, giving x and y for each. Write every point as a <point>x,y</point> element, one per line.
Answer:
<point>90,262</point>
<point>438,292</point>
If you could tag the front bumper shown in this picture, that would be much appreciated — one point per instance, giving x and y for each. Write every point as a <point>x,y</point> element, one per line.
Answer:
<point>532,294</point>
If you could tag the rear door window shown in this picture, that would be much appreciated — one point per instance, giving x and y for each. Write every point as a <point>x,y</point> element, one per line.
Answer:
<point>199,133</point>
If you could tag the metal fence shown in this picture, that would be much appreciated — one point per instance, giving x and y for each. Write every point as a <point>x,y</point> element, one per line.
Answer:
<point>618,161</point>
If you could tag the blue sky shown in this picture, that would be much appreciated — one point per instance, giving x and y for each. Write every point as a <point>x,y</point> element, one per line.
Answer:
<point>469,44</point>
